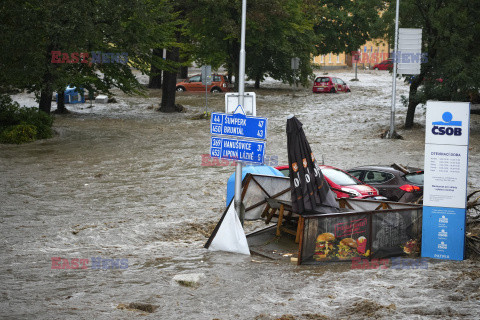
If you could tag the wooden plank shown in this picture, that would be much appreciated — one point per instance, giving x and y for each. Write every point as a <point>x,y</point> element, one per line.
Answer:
<point>301,222</point>
<point>270,215</point>
<point>253,206</point>
<point>280,220</point>
<point>299,229</point>
<point>265,211</point>
<point>246,182</point>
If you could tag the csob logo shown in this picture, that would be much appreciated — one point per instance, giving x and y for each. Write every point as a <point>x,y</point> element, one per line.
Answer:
<point>447,126</point>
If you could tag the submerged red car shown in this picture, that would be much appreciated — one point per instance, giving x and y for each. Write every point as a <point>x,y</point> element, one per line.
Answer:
<point>343,184</point>
<point>329,84</point>
<point>384,65</point>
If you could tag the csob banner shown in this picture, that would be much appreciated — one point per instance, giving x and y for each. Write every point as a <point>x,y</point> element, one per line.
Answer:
<point>445,183</point>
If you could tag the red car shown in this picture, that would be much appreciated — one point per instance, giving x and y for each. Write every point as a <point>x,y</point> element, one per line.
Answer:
<point>329,84</point>
<point>194,83</point>
<point>384,65</point>
<point>343,184</point>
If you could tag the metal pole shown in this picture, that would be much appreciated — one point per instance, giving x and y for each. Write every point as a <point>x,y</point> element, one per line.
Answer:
<point>241,92</point>
<point>206,99</point>
<point>391,134</point>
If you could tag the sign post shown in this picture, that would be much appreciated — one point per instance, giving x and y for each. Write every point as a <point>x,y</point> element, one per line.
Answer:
<point>409,53</point>
<point>406,60</point>
<point>445,182</point>
<point>206,81</point>
<point>232,101</point>
<point>241,90</point>
<point>238,137</point>
<point>391,133</point>
<point>295,64</point>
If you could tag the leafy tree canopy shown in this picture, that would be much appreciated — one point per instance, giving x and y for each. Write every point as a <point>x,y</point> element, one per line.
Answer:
<point>32,29</point>
<point>278,30</point>
<point>450,39</point>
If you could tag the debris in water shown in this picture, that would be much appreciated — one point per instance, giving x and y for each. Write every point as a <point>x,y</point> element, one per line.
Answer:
<point>201,116</point>
<point>134,306</point>
<point>368,308</point>
<point>189,279</point>
<point>385,132</point>
<point>78,228</point>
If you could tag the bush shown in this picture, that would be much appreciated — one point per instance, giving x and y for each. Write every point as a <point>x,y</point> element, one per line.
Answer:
<point>42,121</point>
<point>20,125</point>
<point>20,133</point>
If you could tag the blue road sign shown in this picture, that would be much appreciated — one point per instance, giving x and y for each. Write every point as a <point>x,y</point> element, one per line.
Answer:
<point>238,125</point>
<point>236,149</point>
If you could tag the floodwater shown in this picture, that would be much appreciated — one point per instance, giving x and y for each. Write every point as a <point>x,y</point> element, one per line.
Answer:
<point>122,181</point>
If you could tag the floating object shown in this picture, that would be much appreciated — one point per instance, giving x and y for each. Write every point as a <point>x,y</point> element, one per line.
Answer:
<point>101,98</point>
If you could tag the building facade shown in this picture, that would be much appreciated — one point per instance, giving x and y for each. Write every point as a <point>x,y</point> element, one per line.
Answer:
<point>371,53</point>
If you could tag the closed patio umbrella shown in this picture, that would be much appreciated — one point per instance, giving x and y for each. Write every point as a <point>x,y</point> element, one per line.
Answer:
<point>310,190</point>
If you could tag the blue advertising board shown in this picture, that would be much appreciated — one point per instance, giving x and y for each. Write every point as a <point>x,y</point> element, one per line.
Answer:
<point>238,125</point>
<point>237,149</point>
<point>443,233</point>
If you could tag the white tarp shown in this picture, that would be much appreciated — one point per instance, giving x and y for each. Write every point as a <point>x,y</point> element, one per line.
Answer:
<point>230,236</point>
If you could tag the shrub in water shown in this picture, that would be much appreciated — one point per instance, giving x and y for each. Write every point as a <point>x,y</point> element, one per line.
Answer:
<point>20,133</point>
<point>42,121</point>
<point>19,125</point>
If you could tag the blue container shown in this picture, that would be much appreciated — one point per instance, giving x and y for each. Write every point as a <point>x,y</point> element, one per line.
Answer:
<point>72,95</point>
<point>265,170</point>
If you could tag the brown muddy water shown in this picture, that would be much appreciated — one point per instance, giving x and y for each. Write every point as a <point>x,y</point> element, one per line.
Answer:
<point>122,181</point>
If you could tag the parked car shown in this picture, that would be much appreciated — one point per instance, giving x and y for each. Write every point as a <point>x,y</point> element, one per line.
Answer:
<point>343,184</point>
<point>194,83</point>
<point>396,183</point>
<point>329,84</point>
<point>384,65</point>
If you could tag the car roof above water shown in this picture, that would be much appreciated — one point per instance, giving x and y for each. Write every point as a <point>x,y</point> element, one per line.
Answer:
<point>384,168</point>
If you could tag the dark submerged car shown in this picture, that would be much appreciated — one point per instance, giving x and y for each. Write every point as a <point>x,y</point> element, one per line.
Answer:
<point>395,182</point>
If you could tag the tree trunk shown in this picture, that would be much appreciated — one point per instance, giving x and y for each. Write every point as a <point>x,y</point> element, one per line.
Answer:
<point>257,82</point>
<point>233,50</point>
<point>169,84</point>
<point>183,72</point>
<point>155,81</point>
<point>45,103</point>
<point>61,103</point>
<point>413,101</point>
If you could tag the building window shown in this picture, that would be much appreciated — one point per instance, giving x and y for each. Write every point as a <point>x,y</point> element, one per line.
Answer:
<point>322,58</point>
<point>338,58</point>
<point>329,58</point>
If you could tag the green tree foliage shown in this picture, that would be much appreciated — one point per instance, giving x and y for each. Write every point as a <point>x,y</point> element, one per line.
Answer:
<point>345,25</point>
<point>32,29</point>
<point>280,30</point>
<point>277,31</point>
<point>450,39</point>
